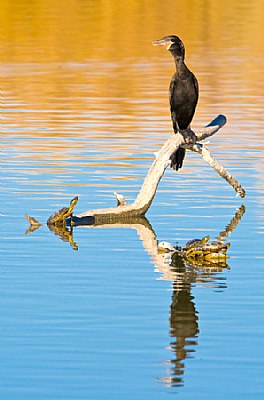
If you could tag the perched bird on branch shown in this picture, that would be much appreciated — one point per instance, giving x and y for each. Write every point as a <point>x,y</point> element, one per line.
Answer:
<point>184,92</point>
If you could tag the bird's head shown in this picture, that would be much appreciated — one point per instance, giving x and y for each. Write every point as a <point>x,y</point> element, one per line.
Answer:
<point>173,44</point>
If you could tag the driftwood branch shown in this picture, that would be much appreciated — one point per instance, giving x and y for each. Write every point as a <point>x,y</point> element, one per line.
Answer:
<point>205,153</point>
<point>210,129</point>
<point>187,139</point>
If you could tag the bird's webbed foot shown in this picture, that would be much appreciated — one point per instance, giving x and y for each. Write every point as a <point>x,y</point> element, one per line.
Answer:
<point>177,158</point>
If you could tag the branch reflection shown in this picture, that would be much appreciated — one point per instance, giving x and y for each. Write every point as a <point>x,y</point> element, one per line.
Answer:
<point>184,328</point>
<point>172,266</point>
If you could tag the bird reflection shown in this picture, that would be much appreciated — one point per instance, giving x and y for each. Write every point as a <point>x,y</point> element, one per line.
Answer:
<point>183,318</point>
<point>172,266</point>
<point>184,328</point>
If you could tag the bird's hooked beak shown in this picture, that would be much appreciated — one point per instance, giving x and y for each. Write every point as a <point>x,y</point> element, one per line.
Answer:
<point>162,42</point>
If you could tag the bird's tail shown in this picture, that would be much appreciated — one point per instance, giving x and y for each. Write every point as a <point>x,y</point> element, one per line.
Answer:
<point>177,158</point>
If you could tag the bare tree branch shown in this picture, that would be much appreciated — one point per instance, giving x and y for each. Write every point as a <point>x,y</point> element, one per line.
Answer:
<point>205,153</point>
<point>211,129</point>
<point>140,206</point>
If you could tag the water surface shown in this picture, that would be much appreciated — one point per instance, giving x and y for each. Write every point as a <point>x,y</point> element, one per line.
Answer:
<point>99,315</point>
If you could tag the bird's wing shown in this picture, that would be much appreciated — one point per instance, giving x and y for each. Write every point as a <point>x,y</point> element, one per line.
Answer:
<point>196,85</point>
<point>173,111</point>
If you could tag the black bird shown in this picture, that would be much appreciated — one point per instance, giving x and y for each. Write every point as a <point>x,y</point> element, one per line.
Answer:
<point>184,92</point>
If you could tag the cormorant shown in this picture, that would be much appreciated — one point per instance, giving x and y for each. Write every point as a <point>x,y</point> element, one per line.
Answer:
<point>184,92</point>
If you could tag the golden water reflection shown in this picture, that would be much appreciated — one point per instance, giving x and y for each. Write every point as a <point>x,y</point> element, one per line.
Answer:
<point>83,76</point>
<point>78,29</point>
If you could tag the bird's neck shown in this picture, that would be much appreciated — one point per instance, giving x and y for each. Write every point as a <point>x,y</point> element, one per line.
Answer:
<point>181,67</point>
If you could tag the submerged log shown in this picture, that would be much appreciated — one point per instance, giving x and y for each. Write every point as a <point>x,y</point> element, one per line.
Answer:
<point>187,139</point>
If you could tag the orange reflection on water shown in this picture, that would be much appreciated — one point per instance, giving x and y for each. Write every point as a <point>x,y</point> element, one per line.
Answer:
<point>49,30</point>
<point>85,76</point>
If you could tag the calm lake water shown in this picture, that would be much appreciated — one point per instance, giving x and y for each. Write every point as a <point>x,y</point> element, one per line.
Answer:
<point>99,314</point>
